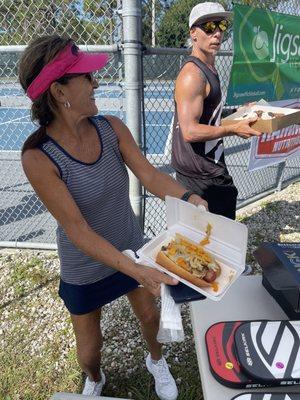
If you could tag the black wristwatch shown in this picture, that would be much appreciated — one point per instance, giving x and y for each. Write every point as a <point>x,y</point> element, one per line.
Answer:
<point>186,195</point>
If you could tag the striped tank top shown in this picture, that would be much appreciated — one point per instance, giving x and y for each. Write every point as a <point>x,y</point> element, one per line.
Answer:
<point>101,191</point>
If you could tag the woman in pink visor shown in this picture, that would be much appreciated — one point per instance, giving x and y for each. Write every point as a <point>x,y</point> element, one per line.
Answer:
<point>76,162</point>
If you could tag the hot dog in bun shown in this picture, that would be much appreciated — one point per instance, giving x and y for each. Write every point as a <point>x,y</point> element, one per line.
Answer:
<point>189,261</point>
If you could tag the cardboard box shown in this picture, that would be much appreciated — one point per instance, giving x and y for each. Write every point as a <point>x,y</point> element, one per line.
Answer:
<point>280,263</point>
<point>228,242</point>
<point>291,117</point>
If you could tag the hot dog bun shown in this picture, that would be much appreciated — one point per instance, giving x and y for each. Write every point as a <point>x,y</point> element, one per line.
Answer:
<point>165,262</point>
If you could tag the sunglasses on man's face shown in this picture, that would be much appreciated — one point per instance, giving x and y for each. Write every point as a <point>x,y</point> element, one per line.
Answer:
<point>211,26</point>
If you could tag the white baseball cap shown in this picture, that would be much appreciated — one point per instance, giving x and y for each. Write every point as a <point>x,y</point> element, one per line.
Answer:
<point>206,11</point>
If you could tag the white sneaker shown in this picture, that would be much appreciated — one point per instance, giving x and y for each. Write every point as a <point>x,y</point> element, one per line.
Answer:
<point>92,388</point>
<point>165,385</point>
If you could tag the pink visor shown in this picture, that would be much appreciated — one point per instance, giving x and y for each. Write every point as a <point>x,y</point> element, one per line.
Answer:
<point>69,61</point>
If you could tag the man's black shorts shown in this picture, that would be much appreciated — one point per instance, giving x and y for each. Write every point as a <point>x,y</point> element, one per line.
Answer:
<point>219,192</point>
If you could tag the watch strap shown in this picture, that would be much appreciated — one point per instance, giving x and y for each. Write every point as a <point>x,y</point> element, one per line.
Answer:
<point>186,195</point>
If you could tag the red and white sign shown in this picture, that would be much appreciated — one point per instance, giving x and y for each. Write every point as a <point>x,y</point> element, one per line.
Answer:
<point>273,148</point>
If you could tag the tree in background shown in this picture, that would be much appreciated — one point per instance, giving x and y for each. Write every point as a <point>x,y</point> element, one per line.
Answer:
<point>101,16</point>
<point>97,22</point>
<point>87,21</point>
<point>173,30</point>
<point>161,6</point>
<point>268,4</point>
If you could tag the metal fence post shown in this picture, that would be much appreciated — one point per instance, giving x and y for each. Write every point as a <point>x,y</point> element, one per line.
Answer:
<point>279,178</point>
<point>132,85</point>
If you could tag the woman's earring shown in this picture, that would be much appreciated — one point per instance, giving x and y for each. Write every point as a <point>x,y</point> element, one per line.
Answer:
<point>67,104</point>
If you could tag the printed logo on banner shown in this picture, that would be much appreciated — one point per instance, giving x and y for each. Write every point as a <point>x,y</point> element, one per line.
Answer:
<point>260,43</point>
<point>267,44</point>
<point>282,47</point>
<point>279,143</point>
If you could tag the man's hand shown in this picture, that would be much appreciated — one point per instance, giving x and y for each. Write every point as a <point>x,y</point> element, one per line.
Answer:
<point>197,200</point>
<point>243,128</point>
<point>151,279</point>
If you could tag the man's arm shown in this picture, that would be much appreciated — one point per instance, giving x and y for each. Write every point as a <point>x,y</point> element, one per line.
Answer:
<point>190,91</point>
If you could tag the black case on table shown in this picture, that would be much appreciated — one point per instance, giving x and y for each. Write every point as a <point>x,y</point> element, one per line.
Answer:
<point>280,264</point>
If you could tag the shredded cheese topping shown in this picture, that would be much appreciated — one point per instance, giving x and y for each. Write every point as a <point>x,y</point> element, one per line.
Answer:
<point>192,258</point>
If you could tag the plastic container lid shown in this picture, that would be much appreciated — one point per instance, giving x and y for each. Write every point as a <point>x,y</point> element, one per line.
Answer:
<point>228,242</point>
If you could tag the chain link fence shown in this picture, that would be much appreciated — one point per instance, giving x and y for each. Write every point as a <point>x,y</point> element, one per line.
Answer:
<point>98,26</point>
<point>23,218</point>
<point>160,70</point>
<point>87,22</point>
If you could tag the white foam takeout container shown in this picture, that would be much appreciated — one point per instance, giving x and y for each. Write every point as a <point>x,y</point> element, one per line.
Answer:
<point>228,242</point>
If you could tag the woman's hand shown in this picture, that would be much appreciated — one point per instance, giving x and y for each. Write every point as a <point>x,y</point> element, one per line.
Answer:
<point>151,279</point>
<point>197,200</point>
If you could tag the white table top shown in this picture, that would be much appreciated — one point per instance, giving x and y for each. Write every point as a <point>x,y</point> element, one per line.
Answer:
<point>247,299</point>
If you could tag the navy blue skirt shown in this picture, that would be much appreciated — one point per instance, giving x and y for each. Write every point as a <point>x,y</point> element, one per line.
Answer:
<point>82,299</point>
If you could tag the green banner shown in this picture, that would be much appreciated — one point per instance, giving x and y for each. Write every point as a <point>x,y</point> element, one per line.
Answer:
<point>266,62</point>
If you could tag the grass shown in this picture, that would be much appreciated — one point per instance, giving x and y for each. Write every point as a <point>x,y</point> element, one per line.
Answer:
<point>31,362</point>
<point>38,354</point>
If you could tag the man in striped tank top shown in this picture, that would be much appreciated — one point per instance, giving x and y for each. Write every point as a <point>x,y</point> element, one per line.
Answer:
<point>76,162</point>
<point>197,142</point>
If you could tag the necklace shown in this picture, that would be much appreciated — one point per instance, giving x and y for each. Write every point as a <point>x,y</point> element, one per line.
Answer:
<point>211,67</point>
